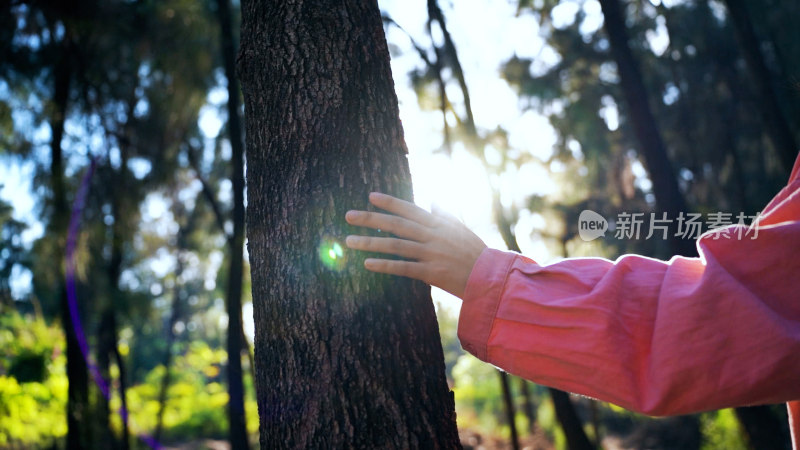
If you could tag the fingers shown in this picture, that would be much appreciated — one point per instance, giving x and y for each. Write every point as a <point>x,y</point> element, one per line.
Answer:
<point>407,221</point>
<point>409,269</point>
<point>402,208</point>
<point>385,222</point>
<point>392,246</point>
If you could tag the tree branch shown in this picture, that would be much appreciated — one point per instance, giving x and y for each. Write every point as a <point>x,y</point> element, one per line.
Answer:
<point>208,194</point>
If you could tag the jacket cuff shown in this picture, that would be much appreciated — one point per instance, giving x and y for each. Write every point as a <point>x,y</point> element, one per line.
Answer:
<point>481,298</point>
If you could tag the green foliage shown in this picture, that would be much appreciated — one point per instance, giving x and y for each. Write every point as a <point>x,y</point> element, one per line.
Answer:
<point>33,403</point>
<point>721,430</point>
<point>33,382</point>
<point>478,395</point>
<point>12,252</point>
<point>546,417</point>
<point>196,398</point>
<point>448,332</point>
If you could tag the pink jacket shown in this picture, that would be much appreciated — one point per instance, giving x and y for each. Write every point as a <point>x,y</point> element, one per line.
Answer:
<point>657,337</point>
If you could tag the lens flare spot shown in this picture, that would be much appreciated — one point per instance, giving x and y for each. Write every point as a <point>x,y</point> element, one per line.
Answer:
<point>331,254</point>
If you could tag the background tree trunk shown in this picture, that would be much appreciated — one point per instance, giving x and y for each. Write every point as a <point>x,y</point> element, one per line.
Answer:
<point>344,357</point>
<point>762,427</point>
<point>186,220</point>
<point>774,119</point>
<point>669,198</point>
<point>527,405</point>
<point>235,343</point>
<point>176,312</point>
<point>123,388</point>
<point>78,434</point>
<point>570,421</point>
<point>510,412</point>
<point>107,333</point>
<point>565,411</point>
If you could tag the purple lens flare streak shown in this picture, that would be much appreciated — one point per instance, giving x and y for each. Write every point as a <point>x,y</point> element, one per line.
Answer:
<point>72,297</point>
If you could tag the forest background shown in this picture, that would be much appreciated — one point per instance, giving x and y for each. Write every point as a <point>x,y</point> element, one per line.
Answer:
<point>517,118</point>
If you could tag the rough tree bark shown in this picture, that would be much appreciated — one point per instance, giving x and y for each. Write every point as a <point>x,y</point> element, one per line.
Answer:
<point>344,357</point>
<point>236,419</point>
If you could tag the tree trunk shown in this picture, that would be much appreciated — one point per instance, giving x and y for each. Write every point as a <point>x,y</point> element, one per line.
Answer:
<point>509,402</point>
<point>176,311</point>
<point>233,303</point>
<point>774,119</point>
<point>78,435</point>
<point>527,405</point>
<point>107,347</point>
<point>123,386</point>
<point>669,198</point>
<point>344,357</point>
<point>763,429</point>
<point>166,380</point>
<point>565,410</point>
<point>105,337</point>
<point>570,422</point>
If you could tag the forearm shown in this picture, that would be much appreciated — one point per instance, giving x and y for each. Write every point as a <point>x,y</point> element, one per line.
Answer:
<point>655,337</point>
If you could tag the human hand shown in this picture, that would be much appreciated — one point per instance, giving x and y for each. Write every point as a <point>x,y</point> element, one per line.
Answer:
<point>442,249</point>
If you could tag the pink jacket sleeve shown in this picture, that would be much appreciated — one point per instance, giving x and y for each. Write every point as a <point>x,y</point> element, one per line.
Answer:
<point>662,338</point>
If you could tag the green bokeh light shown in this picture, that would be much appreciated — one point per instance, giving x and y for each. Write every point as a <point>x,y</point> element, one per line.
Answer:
<point>331,254</point>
